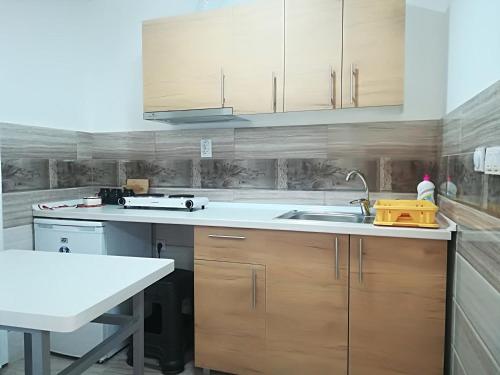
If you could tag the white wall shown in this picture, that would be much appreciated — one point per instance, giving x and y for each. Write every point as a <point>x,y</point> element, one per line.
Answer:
<point>474,49</point>
<point>77,65</point>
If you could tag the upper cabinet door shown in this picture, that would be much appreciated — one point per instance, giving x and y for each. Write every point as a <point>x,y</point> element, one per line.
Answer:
<point>373,61</point>
<point>313,54</point>
<point>182,61</point>
<point>253,70</point>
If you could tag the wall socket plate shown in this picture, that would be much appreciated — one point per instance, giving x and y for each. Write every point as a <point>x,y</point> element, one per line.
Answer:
<point>206,148</point>
<point>163,244</point>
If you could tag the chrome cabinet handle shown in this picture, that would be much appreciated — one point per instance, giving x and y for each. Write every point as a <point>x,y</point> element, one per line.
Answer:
<point>353,82</point>
<point>333,78</point>
<point>226,237</point>
<point>222,88</point>
<point>275,89</point>
<point>336,258</point>
<point>254,289</point>
<point>360,264</point>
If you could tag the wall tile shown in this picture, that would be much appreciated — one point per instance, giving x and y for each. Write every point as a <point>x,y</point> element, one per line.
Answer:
<point>74,173</point>
<point>320,174</point>
<point>162,173</point>
<point>32,142</point>
<point>17,205</point>
<point>281,142</point>
<point>478,239</point>
<point>493,195</point>
<point>480,302</point>
<point>185,144</point>
<point>84,146</point>
<point>399,140</point>
<point>25,174</point>
<point>407,174</point>
<point>468,182</point>
<point>452,133</point>
<point>104,172</point>
<point>257,174</point>
<point>279,196</point>
<point>480,120</point>
<point>124,145</point>
<point>469,348</point>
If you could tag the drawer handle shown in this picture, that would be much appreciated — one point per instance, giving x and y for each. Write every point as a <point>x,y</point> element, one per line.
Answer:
<point>360,264</point>
<point>227,237</point>
<point>336,258</point>
<point>333,78</point>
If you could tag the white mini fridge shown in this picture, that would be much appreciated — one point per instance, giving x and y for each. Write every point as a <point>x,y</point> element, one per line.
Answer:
<point>91,237</point>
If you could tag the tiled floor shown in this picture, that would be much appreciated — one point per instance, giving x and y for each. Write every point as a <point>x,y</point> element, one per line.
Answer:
<point>114,366</point>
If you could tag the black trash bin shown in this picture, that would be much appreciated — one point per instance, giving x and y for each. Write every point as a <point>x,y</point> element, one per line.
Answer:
<point>169,323</point>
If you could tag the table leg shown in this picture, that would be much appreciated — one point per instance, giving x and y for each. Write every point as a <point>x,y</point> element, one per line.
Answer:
<point>138,336</point>
<point>37,353</point>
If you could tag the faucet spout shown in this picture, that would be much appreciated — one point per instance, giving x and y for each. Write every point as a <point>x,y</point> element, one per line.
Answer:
<point>364,202</point>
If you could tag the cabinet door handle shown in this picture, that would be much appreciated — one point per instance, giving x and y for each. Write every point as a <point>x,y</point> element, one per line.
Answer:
<point>222,88</point>
<point>360,263</point>
<point>333,78</point>
<point>354,84</point>
<point>226,237</point>
<point>275,93</point>
<point>254,289</point>
<point>336,258</point>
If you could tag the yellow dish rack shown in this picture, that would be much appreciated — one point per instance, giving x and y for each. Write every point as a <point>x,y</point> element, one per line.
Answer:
<point>406,213</point>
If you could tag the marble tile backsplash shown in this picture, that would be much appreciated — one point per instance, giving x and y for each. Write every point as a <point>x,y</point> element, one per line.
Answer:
<point>296,158</point>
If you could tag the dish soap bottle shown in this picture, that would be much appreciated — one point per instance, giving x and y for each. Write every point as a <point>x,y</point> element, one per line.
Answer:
<point>425,189</point>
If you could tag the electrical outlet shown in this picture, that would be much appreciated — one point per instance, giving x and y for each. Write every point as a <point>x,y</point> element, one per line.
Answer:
<point>160,246</point>
<point>206,148</point>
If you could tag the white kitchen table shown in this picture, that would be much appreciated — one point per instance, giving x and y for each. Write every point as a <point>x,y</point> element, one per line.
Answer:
<point>43,292</point>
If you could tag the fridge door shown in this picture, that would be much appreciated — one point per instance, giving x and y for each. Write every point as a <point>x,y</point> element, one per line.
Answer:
<point>69,238</point>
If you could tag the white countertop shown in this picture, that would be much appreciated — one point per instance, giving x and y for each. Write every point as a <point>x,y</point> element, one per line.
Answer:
<point>62,292</point>
<point>246,215</point>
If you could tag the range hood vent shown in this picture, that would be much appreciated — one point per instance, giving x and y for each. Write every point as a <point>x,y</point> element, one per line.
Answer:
<point>192,116</point>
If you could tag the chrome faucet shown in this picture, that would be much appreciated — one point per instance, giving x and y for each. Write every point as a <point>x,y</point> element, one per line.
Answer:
<point>364,203</point>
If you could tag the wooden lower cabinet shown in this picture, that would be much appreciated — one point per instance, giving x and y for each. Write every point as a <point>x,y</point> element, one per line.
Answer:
<point>397,306</point>
<point>230,316</point>
<point>286,303</point>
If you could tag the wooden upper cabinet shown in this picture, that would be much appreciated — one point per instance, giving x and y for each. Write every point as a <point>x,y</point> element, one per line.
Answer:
<point>313,54</point>
<point>373,53</point>
<point>230,316</point>
<point>182,61</point>
<point>397,306</point>
<point>253,69</point>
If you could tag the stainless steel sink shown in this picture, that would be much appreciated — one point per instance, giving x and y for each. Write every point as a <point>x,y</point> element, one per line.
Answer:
<point>337,217</point>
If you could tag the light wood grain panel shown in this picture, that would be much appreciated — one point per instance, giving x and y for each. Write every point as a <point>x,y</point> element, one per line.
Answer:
<point>254,55</point>
<point>306,304</point>
<point>33,142</point>
<point>281,142</point>
<point>397,311</point>
<point>250,248</point>
<point>374,43</point>
<point>481,304</point>
<point>470,349</point>
<point>173,49</point>
<point>313,51</point>
<point>230,330</point>
<point>124,145</point>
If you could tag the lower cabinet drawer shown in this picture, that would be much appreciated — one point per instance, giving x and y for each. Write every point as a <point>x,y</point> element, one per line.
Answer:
<point>230,244</point>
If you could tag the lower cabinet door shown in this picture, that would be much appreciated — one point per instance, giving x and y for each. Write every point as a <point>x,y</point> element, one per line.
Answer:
<point>230,316</point>
<point>307,304</point>
<point>397,306</point>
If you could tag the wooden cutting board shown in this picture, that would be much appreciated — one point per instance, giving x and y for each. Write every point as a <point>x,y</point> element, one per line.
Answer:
<point>139,186</point>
